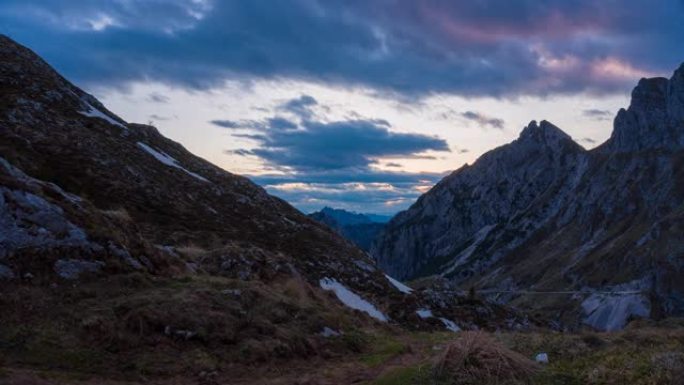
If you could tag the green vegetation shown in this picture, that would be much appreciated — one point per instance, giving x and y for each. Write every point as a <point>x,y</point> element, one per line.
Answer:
<point>383,348</point>
<point>646,353</point>
<point>417,374</point>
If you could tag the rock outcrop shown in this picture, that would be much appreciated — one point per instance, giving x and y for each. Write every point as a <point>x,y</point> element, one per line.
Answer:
<point>541,214</point>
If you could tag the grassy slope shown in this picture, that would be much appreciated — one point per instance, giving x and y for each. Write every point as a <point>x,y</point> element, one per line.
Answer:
<point>643,354</point>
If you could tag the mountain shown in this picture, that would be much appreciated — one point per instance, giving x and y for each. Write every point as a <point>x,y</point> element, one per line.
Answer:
<point>541,215</point>
<point>361,229</point>
<point>378,218</point>
<point>121,252</point>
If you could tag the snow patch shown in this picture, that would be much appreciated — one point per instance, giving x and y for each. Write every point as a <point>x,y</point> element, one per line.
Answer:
<point>400,286</point>
<point>351,299</point>
<point>450,325</point>
<point>363,265</point>
<point>169,161</point>
<point>93,112</point>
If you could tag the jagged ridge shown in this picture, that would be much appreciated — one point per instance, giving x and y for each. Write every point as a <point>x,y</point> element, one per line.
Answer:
<point>541,213</point>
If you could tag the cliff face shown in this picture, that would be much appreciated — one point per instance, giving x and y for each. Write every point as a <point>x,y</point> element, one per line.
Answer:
<point>543,214</point>
<point>505,191</point>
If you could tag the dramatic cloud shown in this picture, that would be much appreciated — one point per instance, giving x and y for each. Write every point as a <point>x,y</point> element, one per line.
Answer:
<point>483,120</point>
<point>318,161</point>
<point>341,145</point>
<point>469,58</point>
<point>492,47</point>
<point>314,145</point>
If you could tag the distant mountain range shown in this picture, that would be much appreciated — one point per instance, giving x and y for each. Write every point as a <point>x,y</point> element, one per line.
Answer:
<point>544,224</point>
<point>361,229</point>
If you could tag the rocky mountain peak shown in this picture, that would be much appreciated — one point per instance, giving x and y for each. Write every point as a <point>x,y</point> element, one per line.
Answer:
<point>547,137</point>
<point>649,93</point>
<point>675,96</point>
<point>31,85</point>
<point>654,117</point>
<point>543,133</point>
<point>543,214</point>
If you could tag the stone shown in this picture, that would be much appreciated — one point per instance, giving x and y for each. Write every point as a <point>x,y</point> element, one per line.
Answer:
<point>72,269</point>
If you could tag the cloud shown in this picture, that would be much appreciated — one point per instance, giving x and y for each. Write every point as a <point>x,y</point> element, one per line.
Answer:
<point>159,117</point>
<point>101,15</point>
<point>226,123</point>
<point>339,145</point>
<point>158,98</point>
<point>280,123</point>
<point>485,48</point>
<point>483,120</point>
<point>598,114</point>
<point>239,152</point>
<point>321,162</point>
<point>300,106</point>
<point>366,190</point>
<point>311,145</point>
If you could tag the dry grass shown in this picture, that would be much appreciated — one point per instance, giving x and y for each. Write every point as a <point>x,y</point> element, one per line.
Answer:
<point>476,358</point>
<point>120,215</point>
<point>191,251</point>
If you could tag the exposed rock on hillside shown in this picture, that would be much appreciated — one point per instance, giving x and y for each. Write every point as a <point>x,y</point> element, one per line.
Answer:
<point>542,214</point>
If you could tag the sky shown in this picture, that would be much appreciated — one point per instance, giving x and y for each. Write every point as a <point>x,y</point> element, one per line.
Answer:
<point>354,104</point>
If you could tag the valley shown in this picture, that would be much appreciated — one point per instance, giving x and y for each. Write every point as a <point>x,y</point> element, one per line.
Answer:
<point>127,259</point>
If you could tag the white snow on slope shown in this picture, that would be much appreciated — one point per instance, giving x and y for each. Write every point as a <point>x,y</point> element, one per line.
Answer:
<point>351,299</point>
<point>400,286</point>
<point>93,112</point>
<point>449,324</point>
<point>169,161</point>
